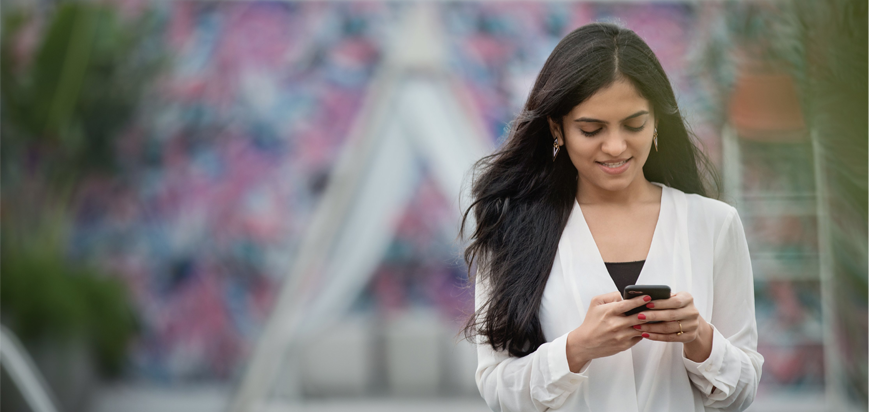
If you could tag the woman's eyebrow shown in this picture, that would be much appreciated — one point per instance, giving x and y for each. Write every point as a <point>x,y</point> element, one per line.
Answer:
<point>587,119</point>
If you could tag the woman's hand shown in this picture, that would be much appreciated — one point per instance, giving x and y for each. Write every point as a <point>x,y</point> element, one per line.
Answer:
<point>605,330</point>
<point>678,314</point>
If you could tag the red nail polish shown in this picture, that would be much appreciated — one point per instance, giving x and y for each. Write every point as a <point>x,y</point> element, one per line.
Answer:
<point>646,335</point>
<point>650,305</point>
<point>636,327</point>
<point>647,298</point>
<point>641,316</point>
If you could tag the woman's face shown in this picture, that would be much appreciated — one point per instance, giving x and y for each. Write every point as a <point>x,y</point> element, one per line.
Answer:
<point>608,137</point>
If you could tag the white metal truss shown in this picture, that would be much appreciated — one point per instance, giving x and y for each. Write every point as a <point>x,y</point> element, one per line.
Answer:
<point>414,111</point>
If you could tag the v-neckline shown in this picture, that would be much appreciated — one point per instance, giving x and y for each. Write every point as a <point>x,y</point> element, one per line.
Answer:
<point>649,254</point>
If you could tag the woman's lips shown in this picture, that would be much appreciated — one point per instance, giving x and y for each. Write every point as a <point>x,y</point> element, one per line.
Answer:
<point>614,168</point>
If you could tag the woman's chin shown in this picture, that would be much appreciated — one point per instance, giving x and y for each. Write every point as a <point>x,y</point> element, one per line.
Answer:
<point>616,186</point>
<point>613,184</point>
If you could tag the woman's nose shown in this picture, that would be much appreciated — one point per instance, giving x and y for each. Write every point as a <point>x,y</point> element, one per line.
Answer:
<point>614,145</point>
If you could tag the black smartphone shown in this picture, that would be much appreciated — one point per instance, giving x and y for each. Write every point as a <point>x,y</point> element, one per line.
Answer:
<point>656,292</point>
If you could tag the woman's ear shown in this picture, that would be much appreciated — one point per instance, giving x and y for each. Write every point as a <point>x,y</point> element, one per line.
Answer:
<point>556,131</point>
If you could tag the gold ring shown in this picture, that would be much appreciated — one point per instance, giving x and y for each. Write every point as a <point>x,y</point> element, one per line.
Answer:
<point>681,328</point>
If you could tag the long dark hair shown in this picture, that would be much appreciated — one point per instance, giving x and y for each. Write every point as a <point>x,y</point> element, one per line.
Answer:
<point>521,198</point>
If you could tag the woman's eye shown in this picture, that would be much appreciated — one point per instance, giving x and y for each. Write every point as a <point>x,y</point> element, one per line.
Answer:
<point>589,134</point>
<point>634,129</point>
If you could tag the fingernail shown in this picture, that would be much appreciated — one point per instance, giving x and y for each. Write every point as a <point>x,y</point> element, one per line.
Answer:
<point>641,316</point>
<point>647,298</point>
<point>646,335</point>
<point>650,305</point>
<point>636,326</point>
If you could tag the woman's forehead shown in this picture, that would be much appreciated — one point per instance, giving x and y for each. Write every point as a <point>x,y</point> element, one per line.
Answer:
<point>612,103</point>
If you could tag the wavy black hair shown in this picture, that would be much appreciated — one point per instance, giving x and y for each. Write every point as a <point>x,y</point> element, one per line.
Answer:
<point>521,198</point>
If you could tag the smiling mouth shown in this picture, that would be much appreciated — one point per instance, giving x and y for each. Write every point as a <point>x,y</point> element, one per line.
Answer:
<point>613,165</point>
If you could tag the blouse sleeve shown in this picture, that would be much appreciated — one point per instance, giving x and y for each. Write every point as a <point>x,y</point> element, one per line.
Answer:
<point>536,382</point>
<point>729,377</point>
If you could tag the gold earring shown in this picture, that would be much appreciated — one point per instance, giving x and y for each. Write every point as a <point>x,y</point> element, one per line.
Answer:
<point>556,148</point>
<point>656,139</point>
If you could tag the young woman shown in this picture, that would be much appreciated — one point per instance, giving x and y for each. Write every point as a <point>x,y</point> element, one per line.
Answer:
<point>598,186</point>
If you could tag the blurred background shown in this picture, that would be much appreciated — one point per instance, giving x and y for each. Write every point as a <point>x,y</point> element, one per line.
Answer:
<point>254,205</point>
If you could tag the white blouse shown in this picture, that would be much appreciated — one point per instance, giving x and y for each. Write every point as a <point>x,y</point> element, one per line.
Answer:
<point>698,246</point>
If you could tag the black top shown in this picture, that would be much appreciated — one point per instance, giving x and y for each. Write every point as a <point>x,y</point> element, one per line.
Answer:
<point>624,273</point>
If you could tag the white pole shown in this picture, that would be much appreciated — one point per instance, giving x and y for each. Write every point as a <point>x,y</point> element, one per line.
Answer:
<point>24,373</point>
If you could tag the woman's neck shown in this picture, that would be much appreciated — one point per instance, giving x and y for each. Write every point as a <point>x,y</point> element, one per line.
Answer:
<point>638,191</point>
